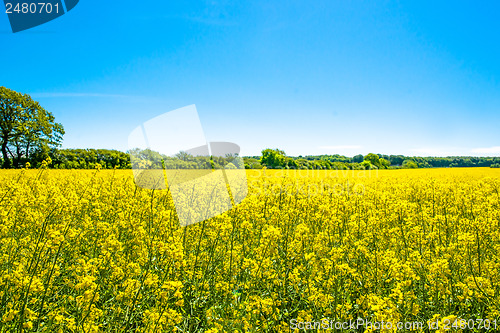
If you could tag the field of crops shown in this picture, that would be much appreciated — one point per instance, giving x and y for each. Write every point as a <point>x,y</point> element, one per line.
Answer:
<point>87,251</point>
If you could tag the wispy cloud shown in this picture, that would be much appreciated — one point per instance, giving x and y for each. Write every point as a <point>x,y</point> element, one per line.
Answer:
<point>57,94</point>
<point>345,147</point>
<point>487,150</point>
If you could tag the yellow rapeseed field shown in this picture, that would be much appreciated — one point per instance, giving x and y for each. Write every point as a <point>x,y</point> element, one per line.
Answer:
<point>88,251</point>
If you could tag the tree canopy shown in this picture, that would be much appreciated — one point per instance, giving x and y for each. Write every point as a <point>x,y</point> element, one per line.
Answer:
<point>26,128</point>
<point>273,158</point>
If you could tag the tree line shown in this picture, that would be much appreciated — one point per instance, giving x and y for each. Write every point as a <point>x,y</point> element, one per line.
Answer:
<point>30,136</point>
<point>277,159</point>
<point>115,159</point>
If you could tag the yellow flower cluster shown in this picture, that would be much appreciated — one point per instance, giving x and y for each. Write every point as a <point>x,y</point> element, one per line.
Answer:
<point>87,250</point>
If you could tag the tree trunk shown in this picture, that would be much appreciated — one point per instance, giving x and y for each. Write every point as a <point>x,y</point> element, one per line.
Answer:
<point>6,161</point>
<point>17,159</point>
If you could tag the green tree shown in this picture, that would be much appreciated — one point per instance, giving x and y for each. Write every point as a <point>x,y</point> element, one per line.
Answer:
<point>410,164</point>
<point>273,158</point>
<point>396,159</point>
<point>366,165</point>
<point>290,163</point>
<point>358,158</point>
<point>384,163</point>
<point>373,159</point>
<point>25,128</point>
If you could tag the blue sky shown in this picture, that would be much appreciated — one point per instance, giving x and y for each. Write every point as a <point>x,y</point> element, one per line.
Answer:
<point>308,77</point>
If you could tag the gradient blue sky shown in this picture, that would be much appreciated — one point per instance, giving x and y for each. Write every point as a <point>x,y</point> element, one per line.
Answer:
<point>309,77</point>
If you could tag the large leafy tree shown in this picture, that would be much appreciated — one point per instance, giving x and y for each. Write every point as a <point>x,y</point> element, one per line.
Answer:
<point>374,159</point>
<point>273,158</point>
<point>25,128</point>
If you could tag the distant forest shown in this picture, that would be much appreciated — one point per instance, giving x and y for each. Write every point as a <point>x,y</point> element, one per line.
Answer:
<point>270,158</point>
